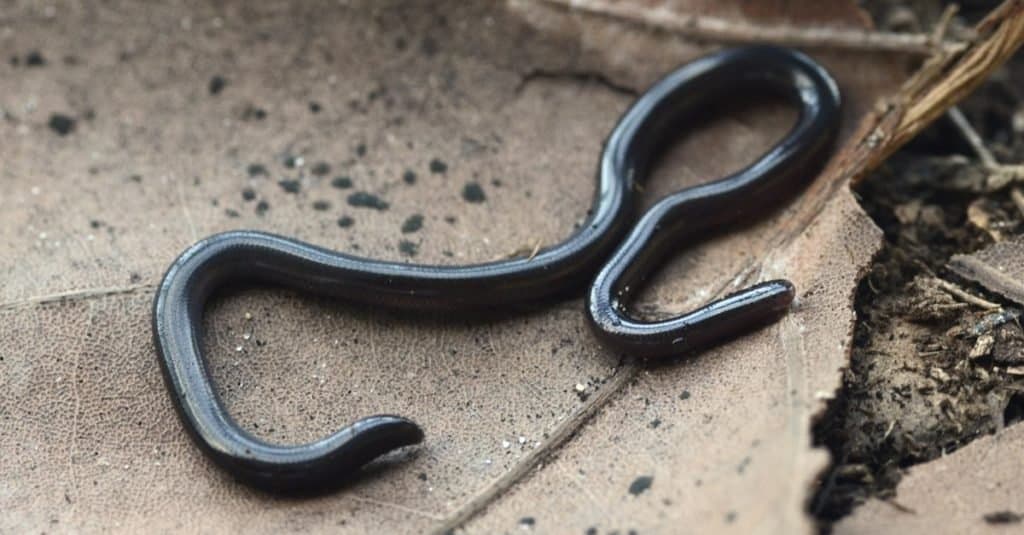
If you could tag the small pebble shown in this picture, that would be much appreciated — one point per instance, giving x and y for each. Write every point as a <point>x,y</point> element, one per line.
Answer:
<point>362,199</point>
<point>289,185</point>
<point>640,485</point>
<point>256,169</point>
<point>217,84</point>
<point>62,124</point>
<point>412,224</point>
<point>408,248</point>
<point>472,192</point>
<point>342,182</point>
<point>321,169</point>
<point>438,167</point>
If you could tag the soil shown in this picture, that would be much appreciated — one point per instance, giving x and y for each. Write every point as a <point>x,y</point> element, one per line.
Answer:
<point>936,358</point>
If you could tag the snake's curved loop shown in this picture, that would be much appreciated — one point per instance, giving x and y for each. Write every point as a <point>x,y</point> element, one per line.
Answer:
<point>693,212</point>
<point>558,270</point>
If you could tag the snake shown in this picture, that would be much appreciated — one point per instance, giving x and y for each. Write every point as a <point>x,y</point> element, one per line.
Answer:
<point>609,257</point>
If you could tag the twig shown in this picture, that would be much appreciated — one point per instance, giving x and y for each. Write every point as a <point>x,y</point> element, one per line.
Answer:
<point>942,27</point>
<point>955,291</point>
<point>1017,196</point>
<point>944,80</point>
<point>899,506</point>
<point>715,29</point>
<point>972,137</point>
<point>76,295</point>
<point>1000,174</point>
<point>536,249</point>
<point>559,435</point>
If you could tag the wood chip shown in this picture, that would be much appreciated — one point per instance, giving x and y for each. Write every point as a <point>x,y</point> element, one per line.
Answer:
<point>982,346</point>
<point>998,268</point>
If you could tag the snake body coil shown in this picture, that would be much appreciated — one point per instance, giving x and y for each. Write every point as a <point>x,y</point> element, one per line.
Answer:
<point>629,153</point>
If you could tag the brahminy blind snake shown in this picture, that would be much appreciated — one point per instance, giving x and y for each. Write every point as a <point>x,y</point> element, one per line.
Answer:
<point>629,152</point>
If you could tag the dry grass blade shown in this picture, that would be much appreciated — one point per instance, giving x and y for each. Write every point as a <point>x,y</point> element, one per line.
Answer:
<point>721,30</point>
<point>947,78</point>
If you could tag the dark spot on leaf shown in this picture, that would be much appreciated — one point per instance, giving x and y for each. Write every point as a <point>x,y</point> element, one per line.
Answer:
<point>422,476</point>
<point>256,169</point>
<point>248,194</point>
<point>321,169</point>
<point>450,219</point>
<point>743,465</point>
<point>527,521</point>
<point>231,213</point>
<point>438,167</point>
<point>362,199</point>
<point>730,517</point>
<point>262,207</point>
<point>136,178</point>
<point>289,185</point>
<point>408,248</point>
<point>95,223</point>
<point>314,107</point>
<point>291,161</point>
<point>640,484</point>
<point>321,206</point>
<point>412,224</point>
<point>1003,517</point>
<point>377,93</point>
<point>361,150</point>
<point>217,84</point>
<point>655,423</point>
<point>409,177</point>
<point>342,182</point>
<point>472,192</point>
<point>62,124</point>
<point>345,221</point>
<point>35,59</point>
<point>685,395</point>
<point>428,46</point>
<point>253,113</point>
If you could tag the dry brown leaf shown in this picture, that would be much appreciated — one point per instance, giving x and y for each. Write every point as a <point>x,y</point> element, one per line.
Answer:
<point>997,267</point>
<point>515,98</point>
<point>972,490</point>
